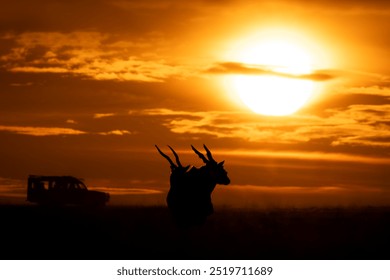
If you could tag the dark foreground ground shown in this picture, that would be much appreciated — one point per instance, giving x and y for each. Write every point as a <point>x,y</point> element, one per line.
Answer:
<point>33,232</point>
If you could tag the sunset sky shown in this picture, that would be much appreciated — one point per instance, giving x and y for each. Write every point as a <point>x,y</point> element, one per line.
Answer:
<point>87,88</point>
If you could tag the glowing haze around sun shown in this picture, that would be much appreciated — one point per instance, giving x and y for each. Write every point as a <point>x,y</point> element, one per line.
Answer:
<point>272,94</point>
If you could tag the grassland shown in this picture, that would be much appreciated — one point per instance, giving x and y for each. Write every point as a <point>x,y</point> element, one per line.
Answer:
<point>33,232</point>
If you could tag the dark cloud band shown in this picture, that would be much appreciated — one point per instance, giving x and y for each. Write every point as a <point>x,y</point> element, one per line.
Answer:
<point>245,69</point>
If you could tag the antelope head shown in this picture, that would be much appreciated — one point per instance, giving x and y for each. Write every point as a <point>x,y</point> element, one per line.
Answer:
<point>215,169</point>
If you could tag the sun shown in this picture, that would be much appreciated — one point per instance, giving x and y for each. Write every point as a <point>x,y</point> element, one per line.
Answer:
<point>275,92</point>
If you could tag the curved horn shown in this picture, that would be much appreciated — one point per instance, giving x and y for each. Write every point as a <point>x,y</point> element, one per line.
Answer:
<point>200,155</point>
<point>209,156</point>
<point>176,157</point>
<point>167,157</point>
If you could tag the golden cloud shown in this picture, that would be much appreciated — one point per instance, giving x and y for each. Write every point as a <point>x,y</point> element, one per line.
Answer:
<point>116,132</point>
<point>41,131</point>
<point>103,115</point>
<point>365,125</point>
<point>91,54</point>
<point>246,69</point>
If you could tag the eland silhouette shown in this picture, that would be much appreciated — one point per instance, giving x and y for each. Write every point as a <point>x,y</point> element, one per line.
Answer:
<point>189,196</point>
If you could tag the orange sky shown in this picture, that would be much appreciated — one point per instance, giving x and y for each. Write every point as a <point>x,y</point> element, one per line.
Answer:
<point>88,88</point>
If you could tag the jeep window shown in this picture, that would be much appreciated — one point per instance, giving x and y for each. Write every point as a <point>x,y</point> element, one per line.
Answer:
<point>81,186</point>
<point>40,185</point>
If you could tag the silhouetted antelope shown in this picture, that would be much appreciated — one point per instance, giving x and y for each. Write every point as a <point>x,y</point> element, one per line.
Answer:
<point>189,196</point>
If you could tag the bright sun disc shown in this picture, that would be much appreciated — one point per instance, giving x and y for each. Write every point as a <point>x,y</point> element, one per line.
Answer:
<point>271,95</point>
<point>274,94</point>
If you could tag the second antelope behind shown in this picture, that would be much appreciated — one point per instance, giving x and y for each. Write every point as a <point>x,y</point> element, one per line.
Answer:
<point>189,196</point>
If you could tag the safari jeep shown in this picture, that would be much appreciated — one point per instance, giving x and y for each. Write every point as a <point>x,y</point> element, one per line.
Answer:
<point>61,190</point>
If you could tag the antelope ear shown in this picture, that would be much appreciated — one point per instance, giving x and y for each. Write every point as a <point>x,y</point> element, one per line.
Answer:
<point>221,163</point>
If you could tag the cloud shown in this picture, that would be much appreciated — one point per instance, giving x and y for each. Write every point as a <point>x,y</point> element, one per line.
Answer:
<point>220,124</point>
<point>369,90</point>
<point>306,155</point>
<point>12,187</point>
<point>245,69</point>
<point>364,125</point>
<point>126,191</point>
<point>56,131</point>
<point>356,125</point>
<point>103,115</point>
<point>41,131</point>
<point>92,54</point>
<point>21,84</point>
<point>37,69</point>
<point>116,132</point>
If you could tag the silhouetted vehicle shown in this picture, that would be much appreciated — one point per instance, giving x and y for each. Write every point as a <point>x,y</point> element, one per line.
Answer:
<point>60,190</point>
